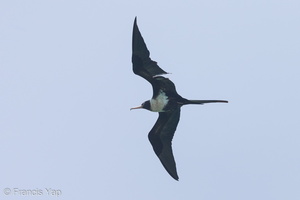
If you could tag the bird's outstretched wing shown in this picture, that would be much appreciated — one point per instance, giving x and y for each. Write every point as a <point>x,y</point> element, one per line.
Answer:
<point>164,84</point>
<point>142,63</point>
<point>161,136</point>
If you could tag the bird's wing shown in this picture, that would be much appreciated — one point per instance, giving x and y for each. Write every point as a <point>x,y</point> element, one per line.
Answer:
<point>161,136</point>
<point>142,63</point>
<point>164,84</point>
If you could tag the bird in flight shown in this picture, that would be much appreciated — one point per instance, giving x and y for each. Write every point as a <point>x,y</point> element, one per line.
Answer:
<point>165,100</point>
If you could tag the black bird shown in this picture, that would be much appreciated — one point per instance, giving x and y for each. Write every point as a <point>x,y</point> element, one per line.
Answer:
<point>165,100</point>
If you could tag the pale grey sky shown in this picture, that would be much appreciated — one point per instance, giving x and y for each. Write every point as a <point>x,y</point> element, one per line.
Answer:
<point>67,84</point>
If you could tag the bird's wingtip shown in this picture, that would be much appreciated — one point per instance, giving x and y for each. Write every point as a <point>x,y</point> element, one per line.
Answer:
<point>135,26</point>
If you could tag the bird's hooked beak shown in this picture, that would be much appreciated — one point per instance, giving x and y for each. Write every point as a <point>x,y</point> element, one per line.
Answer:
<point>136,107</point>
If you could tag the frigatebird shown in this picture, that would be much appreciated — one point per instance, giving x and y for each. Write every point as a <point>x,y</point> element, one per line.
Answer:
<point>165,100</point>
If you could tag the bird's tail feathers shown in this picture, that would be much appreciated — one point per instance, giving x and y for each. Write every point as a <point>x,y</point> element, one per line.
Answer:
<point>204,101</point>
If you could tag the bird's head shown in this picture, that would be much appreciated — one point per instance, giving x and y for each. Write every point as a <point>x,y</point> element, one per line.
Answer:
<point>145,105</point>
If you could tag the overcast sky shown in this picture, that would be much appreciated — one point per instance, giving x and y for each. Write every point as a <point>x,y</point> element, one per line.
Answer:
<point>66,86</point>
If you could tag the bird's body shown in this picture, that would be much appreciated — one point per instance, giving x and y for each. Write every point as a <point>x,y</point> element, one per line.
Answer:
<point>159,103</point>
<point>165,100</point>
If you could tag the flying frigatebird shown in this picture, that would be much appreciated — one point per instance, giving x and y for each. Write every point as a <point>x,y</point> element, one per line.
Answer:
<point>165,100</point>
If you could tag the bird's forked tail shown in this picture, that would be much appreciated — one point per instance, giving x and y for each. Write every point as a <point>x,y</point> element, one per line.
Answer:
<point>204,101</point>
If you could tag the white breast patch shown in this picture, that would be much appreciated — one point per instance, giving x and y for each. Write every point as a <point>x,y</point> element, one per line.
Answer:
<point>158,104</point>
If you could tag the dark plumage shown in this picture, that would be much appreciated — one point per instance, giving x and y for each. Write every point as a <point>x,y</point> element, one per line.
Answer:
<point>165,100</point>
